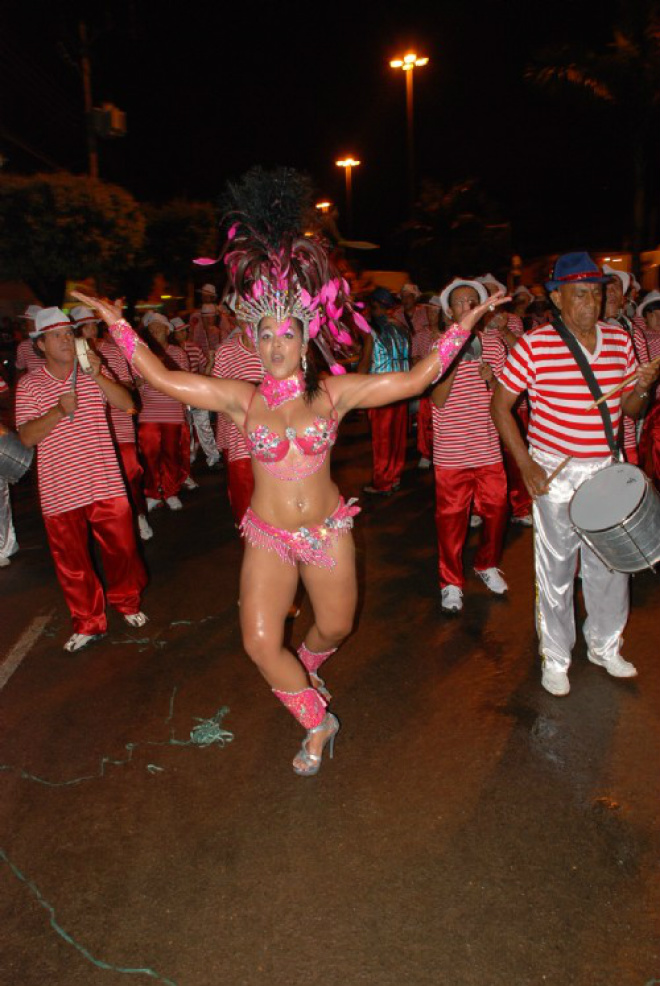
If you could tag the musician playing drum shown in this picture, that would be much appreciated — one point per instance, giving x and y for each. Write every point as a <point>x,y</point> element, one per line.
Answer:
<point>564,423</point>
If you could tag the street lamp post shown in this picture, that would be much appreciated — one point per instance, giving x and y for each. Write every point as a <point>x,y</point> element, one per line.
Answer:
<point>408,63</point>
<point>348,163</point>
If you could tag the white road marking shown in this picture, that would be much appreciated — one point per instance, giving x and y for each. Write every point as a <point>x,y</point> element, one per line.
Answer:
<point>22,647</point>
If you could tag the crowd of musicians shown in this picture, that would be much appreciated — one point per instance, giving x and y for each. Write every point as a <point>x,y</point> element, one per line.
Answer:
<point>111,448</point>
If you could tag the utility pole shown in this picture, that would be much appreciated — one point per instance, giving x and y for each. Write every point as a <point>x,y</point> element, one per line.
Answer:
<point>92,148</point>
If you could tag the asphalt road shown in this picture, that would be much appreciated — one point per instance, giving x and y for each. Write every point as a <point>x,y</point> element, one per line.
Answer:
<point>471,830</point>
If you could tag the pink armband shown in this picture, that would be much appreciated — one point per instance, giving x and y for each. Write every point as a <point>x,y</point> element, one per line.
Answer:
<point>448,347</point>
<point>126,338</point>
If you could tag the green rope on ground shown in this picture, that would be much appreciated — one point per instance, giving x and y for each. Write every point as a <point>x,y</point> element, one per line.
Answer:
<point>99,963</point>
<point>209,732</point>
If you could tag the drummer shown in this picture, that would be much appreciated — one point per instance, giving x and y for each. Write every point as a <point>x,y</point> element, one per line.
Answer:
<point>561,426</point>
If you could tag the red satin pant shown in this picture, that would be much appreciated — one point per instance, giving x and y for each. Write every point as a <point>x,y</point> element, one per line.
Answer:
<point>133,473</point>
<point>111,523</point>
<point>455,489</point>
<point>240,486</point>
<point>425,428</point>
<point>389,430</point>
<point>185,450</point>
<point>160,445</point>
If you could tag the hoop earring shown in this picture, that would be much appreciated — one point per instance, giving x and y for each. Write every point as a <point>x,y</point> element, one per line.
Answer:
<point>303,363</point>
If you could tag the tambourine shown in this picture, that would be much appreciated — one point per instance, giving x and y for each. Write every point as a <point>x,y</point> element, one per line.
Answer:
<point>82,354</point>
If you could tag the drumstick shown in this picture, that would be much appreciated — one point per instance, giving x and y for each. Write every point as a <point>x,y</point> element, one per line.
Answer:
<point>620,386</point>
<point>559,468</point>
<point>74,377</point>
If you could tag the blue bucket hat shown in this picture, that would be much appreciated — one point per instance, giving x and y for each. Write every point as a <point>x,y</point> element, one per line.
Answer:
<point>572,268</point>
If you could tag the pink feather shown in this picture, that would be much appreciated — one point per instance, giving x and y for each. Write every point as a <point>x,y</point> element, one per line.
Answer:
<point>205,261</point>
<point>336,369</point>
<point>361,322</point>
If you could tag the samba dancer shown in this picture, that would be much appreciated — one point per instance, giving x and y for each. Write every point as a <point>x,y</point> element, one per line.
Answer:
<point>561,426</point>
<point>298,525</point>
<point>63,413</point>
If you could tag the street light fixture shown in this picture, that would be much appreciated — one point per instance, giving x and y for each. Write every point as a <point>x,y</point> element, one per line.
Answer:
<point>348,163</point>
<point>408,63</point>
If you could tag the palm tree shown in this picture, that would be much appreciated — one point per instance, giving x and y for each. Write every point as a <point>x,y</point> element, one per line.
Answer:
<point>626,76</point>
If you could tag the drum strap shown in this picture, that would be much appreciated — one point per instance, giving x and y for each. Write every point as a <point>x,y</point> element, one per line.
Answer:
<point>593,385</point>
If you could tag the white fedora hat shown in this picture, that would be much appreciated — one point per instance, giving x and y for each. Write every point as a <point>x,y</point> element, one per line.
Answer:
<point>460,282</point>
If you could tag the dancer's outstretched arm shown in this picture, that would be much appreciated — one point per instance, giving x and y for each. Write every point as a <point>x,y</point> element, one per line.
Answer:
<point>211,393</point>
<point>378,389</point>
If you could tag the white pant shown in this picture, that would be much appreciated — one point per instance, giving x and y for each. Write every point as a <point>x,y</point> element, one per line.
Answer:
<point>201,420</point>
<point>557,548</point>
<point>8,542</point>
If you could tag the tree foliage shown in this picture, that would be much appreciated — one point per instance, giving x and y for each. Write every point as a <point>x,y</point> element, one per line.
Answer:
<point>626,77</point>
<point>176,233</point>
<point>62,226</point>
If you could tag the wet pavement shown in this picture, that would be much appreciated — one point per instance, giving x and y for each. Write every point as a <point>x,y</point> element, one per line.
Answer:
<point>471,830</point>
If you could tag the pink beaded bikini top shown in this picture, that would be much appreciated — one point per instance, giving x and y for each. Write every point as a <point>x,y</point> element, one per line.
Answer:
<point>270,449</point>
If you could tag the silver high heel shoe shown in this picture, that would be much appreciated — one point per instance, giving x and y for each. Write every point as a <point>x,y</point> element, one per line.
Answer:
<point>311,762</point>
<point>319,684</point>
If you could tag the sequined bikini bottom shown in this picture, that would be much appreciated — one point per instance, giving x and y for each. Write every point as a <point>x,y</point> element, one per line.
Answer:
<point>309,545</point>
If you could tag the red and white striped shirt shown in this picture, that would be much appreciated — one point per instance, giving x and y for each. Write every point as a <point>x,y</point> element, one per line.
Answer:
<point>558,394</point>
<point>122,424</point>
<point>233,361</point>
<point>464,436</point>
<point>160,408</point>
<point>642,353</point>
<point>196,357</point>
<point>26,358</point>
<point>653,345</point>
<point>422,333</point>
<point>76,463</point>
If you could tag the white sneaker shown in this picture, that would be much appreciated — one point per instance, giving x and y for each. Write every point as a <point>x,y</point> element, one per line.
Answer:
<point>152,504</point>
<point>492,577</point>
<point>424,463</point>
<point>4,562</point>
<point>451,599</point>
<point>190,483</point>
<point>555,681</point>
<point>475,520</point>
<point>144,527</point>
<point>77,641</point>
<point>174,503</point>
<point>136,619</point>
<point>616,666</point>
<point>526,521</point>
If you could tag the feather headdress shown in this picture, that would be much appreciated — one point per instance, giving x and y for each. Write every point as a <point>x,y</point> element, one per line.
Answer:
<point>277,264</point>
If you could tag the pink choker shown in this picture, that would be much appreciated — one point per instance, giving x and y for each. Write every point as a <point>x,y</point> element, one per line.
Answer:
<point>276,392</point>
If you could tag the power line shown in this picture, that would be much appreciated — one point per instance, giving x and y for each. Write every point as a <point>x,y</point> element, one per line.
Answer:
<point>13,139</point>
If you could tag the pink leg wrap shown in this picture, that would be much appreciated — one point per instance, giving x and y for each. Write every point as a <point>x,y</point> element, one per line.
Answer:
<point>306,706</point>
<point>311,660</point>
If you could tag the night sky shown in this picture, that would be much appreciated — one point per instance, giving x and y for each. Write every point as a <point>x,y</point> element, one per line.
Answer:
<point>212,88</point>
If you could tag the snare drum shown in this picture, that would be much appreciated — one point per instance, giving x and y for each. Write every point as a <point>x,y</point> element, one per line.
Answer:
<point>15,458</point>
<point>617,513</point>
